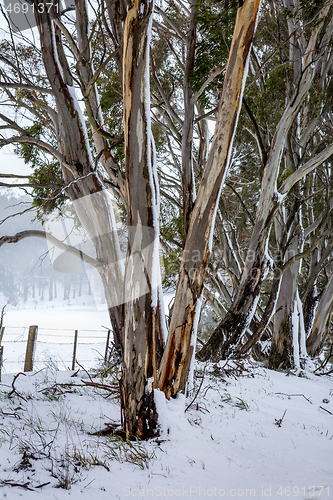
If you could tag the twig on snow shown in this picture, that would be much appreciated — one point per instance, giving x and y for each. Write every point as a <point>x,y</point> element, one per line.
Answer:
<point>14,391</point>
<point>289,395</point>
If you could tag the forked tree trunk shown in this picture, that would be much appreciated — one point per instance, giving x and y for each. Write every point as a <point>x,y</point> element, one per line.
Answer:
<point>178,351</point>
<point>86,191</point>
<point>285,328</point>
<point>136,316</point>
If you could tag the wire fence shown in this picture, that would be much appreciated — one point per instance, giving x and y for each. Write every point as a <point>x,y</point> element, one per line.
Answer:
<point>53,348</point>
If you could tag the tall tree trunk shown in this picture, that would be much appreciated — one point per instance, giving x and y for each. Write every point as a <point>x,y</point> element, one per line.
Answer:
<point>178,351</point>
<point>234,324</point>
<point>142,339</point>
<point>91,202</point>
<point>51,289</point>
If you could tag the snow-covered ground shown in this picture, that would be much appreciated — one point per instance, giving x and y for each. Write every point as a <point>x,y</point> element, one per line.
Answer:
<point>56,327</point>
<point>255,434</point>
<point>57,321</point>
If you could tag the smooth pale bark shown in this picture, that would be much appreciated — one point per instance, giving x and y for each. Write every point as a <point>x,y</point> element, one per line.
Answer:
<point>319,332</point>
<point>85,188</point>
<point>178,351</point>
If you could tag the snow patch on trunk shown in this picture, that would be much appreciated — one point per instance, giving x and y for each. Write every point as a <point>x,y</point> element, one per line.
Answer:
<point>302,342</point>
<point>295,325</point>
<point>82,121</point>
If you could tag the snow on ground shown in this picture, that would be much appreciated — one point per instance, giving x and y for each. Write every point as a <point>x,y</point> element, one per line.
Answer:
<point>258,433</point>
<point>57,321</point>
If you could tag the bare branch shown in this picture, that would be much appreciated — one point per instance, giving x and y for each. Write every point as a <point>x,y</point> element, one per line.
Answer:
<point>209,80</point>
<point>14,176</point>
<point>30,209</point>
<point>67,35</point>
<point>163,94</point>
<point>35,88</point>
<point>171,23</point>
<point>305,169</point>
<point>97,73</point>
<point>42,145</point>
<point>307,252</point>
<point>51,239</point>
<point>207,115</point>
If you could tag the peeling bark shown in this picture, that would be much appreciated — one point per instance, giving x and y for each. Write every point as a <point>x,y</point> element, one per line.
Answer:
<point>142,318</point>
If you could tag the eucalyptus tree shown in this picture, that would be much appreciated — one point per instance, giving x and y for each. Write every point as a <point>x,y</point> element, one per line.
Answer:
<point>58,75</point>
<point>307,31</point>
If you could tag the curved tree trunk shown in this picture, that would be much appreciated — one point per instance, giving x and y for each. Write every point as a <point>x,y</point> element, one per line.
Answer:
<point>178,351</point>
<point>91,202</point>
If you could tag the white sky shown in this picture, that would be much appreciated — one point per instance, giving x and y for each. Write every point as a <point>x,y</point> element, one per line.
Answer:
<point>9,162</point>
<point>12,164</point>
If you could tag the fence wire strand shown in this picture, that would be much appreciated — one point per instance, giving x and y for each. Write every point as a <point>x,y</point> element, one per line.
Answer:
<point>52,350</point>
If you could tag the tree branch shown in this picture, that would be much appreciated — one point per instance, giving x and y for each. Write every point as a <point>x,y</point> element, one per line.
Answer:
<point>263,152</point>
<point>163,94</point>
<point>51,239</point>
<point>67,35</point>
<point>35,88</point>
<point>305,169</point>
<point>171,23</point>
<point>209,80</point>
<point>97,73</point>
<point>42,145</point>
<point>307,252</point>
<point>14,176</point>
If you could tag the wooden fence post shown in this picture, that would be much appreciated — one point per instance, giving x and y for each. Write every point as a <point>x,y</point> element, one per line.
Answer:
<point>107,347</point>
<point>74,350</point>
<point>2,331</point>
<point>29,355</point>
<point>1,360</point>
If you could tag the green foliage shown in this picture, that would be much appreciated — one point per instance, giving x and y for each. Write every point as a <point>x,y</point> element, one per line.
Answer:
<point>49,195</point>
<point>30,152</point>
<point>216,20</point>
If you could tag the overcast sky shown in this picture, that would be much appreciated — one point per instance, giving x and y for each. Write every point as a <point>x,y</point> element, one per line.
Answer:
<point>9,162</point>
<point>12,164</point>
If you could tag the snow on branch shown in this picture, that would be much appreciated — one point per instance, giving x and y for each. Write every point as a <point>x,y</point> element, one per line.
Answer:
<point>305,169</point>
